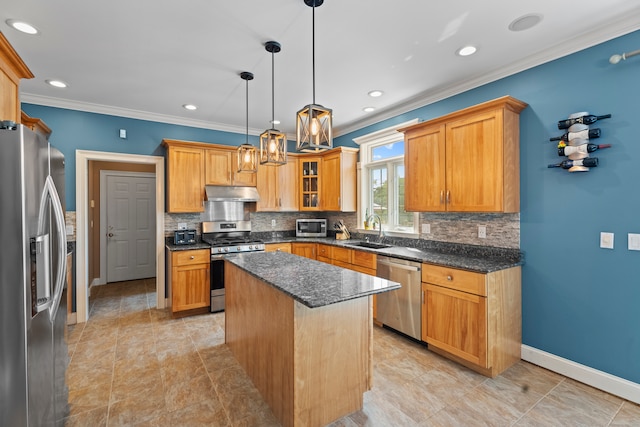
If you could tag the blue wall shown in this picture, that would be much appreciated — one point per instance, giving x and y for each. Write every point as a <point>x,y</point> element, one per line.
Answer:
<point>580,302</point>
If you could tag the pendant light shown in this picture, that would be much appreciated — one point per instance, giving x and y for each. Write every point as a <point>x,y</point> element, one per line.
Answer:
<point>273,143</point>
<point>246,152</point>
<point>314,122</point>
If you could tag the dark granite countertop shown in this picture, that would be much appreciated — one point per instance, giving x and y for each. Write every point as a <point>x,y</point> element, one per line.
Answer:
<point>477,259</point>
<point>310,282</point>
<point>168,242</point>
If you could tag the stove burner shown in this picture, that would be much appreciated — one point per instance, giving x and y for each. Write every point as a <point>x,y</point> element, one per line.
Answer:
<point>223,245</point>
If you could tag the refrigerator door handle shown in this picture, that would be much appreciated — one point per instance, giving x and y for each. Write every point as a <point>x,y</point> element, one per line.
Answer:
<point>50,193</point>
<point>61,250</point>
<point>41,252</point>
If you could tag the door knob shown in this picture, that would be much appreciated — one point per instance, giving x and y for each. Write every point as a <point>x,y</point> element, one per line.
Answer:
<point>110,234</point>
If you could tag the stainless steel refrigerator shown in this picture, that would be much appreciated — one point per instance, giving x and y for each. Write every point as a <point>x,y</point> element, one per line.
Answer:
<point>33,350</point>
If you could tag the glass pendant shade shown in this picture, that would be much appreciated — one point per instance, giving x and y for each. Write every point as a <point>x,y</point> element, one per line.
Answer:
<point>273,147</point>
<point>247,153</point>
<point>273,143</point>
<point>314,129</point>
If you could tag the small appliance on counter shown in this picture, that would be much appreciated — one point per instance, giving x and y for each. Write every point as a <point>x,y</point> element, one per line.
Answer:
<point>184,237</point>
<point>311,228</point>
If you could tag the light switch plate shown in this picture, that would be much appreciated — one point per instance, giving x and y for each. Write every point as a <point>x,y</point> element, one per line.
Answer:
<point>69,231</point>
<point>482,232</point>
<point>606,240</point>
<point>634,242</point>
<point>426,228</point>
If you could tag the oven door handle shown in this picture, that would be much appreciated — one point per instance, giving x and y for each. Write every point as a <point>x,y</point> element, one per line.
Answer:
<point>216,257</point>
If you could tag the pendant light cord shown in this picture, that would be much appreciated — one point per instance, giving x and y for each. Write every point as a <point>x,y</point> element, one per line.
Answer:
<point>313,49</point>
<point>273,91</point>
<point>247,130</point>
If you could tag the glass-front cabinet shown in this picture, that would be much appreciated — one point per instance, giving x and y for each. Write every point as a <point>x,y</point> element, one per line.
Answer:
<point>310,184</point>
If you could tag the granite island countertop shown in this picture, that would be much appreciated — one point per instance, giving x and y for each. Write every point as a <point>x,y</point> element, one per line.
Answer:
<point>312,283</point>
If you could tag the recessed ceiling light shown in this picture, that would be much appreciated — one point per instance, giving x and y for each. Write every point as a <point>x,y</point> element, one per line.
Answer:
<point>57,83</point>
<point>375,93</point>
<point>525,22</point>
<point>189,107</point>
<point>22,26</point>
<point>368,109</point>
<point>466,51</point>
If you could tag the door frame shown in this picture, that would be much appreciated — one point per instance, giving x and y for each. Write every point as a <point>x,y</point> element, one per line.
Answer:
<point>82,230</point>
<point>103,214</point>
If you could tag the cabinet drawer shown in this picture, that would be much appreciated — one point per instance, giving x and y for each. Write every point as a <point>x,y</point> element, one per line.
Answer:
<point>341,254</point>
<point>278,247</point>
<point>461,280</point>
<point>200,256</point>
<point>363,259</point>
<point>324,251</point>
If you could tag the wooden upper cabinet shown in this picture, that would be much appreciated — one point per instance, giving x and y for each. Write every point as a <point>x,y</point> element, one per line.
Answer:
<point>277,186</point>
<point>338,189</point>
<point>185,179</point>
<point>466,161</point>
<point>36,125</point>
<point>221,169</point>
<point>12,69</point>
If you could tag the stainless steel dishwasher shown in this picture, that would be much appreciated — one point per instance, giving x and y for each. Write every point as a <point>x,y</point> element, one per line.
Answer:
<point>401,309</point>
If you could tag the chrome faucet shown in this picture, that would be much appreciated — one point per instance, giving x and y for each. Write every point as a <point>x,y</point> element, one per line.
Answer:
<point>374,216</point>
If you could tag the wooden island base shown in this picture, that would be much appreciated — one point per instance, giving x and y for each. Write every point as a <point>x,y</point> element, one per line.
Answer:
<point>311,365</point>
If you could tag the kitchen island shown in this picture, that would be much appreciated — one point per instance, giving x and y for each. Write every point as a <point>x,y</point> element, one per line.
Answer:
<point>302,331</point>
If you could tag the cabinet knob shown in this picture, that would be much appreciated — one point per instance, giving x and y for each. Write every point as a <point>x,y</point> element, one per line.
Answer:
<point>449,277</point>
<point>192,257</point>
<point>278,250</point>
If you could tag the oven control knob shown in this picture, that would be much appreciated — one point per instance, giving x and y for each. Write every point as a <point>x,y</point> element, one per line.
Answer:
<point>219,250</point>
<point>238,248</point>
<point>226,249</point>
<point>250,247</point>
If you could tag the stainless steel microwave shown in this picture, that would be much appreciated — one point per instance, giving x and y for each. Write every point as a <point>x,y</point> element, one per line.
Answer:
<point>311,228</point>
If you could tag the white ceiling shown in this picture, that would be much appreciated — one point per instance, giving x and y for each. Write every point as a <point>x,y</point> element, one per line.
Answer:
<point>146,58</point>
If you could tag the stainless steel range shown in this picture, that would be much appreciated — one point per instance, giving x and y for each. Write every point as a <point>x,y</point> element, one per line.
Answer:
<point>227,238</point>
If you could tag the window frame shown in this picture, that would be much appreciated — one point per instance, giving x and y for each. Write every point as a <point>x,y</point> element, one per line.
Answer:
<point>367,142</point>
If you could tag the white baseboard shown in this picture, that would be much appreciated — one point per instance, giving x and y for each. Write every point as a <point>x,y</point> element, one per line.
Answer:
<point>601,380</point>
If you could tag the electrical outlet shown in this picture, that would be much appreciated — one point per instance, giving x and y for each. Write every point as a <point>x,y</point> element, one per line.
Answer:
<point>634,242</point>
<point>182,226</point>
<point>482,232</point>
<point>273,223</point>
<point>606,240</point>
<point>426,228</point>
<point>69,230</point>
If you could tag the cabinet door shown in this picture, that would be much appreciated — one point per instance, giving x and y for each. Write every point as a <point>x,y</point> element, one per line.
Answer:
<point>288,185</point>
<point>456,322</point>
<point>424,162</point>
<point>474,160</point>
<point>309,184</point>
<point>185,180</point>
<point>307,250</point>
<point>278,247</point>
<point>190,287</point>
<point>330,194</point>
<point>218,167</point>
<point>267,186</point>
<point>243,179</point>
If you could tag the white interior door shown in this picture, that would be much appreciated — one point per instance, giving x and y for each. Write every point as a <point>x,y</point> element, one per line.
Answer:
<point>130,226</point>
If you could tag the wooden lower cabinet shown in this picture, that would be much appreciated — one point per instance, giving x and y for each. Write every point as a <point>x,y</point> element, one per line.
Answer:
<point>189,278</point>
<point>307,250</point>
<point>473,318</point>
<point>278,247</point>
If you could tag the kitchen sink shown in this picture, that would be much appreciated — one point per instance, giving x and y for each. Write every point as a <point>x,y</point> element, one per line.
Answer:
<point>370,245</point>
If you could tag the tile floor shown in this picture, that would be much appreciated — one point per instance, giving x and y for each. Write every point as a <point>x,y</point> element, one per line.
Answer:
<point>133,365</point>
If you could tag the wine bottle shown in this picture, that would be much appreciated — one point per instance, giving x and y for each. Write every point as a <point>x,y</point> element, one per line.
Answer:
<point>584,149</point>
<point>583,134</point>
<point>586,120</point>
<point>567,164</point>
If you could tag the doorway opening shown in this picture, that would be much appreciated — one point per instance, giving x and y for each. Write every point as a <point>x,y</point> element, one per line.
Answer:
<point>83,265</point>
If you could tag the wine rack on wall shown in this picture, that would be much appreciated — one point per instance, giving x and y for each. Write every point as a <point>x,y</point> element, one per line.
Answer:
<point>576,143</point>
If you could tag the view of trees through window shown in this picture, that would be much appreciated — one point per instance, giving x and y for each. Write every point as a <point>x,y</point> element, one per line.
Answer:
<point>386,186</point>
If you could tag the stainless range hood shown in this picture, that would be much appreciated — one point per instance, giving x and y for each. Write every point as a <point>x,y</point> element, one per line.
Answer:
<point>218,193</point>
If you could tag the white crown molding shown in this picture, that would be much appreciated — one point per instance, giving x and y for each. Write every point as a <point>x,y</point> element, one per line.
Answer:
<point>609,31</point>
<point>601,380</point>
<point>131,114</point>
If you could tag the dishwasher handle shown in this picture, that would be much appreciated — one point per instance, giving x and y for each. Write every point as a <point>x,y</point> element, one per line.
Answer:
<point>398,265</point>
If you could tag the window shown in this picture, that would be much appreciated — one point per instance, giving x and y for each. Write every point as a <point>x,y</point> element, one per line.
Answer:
<point>382,182</point>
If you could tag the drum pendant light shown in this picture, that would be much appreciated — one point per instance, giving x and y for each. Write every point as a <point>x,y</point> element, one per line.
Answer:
<point>246,152</point>
<point>314,122</point>
<point>273,143</point>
